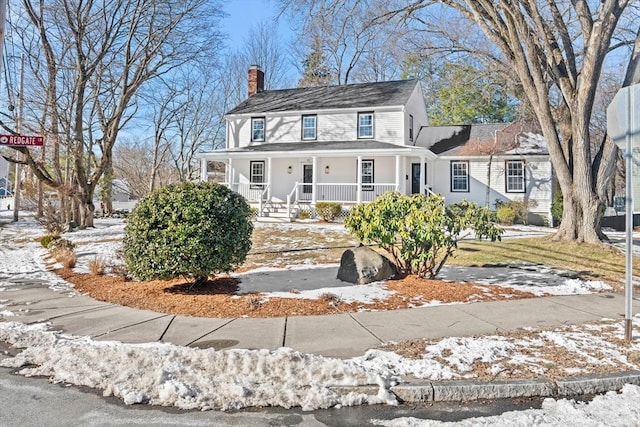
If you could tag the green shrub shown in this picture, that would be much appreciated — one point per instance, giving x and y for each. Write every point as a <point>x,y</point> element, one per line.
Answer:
<point>187,230</point>
<point>522,209</point>
<point>418,231</point>
<point>556,206</point>
<point>61,243</point>
<point>47,239</point>
<point>304,214</point>
<point>328,211</point>
<point>506,215</point>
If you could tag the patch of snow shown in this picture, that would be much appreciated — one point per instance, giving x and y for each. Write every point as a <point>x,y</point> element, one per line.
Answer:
<point>611,409</point>
<point>190,378</point>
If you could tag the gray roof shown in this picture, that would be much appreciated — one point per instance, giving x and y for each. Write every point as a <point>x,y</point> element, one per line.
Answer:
<point>459,140</point>
<point>319,145</point>
<point>363,95</point>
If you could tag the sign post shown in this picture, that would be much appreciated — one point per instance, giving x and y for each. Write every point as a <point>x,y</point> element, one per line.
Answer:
<point>623,126</point>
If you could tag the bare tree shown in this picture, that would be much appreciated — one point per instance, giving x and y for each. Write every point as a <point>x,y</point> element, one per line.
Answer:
<point>356,45</point>
<point>263,46</point>
<point>98,54</point>
<point>133,162</point>
<point>196,122</point>
<point>555,51</point>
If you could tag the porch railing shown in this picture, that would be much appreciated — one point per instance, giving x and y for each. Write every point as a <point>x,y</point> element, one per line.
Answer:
<point>247,190</point>
<point>343,193</point>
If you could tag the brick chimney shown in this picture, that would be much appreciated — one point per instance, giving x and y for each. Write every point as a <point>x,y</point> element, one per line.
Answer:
<point>256,80</point>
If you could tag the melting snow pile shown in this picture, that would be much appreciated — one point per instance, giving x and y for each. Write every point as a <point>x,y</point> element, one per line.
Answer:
<point>188,378</point>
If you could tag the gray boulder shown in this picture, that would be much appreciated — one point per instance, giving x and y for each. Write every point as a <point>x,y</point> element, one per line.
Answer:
<point>363,265</point>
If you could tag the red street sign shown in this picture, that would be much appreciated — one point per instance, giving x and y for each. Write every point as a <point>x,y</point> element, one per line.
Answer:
<point>22,140</point>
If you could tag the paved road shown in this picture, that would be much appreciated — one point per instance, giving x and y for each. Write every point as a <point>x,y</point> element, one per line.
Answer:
<point>27,402</point>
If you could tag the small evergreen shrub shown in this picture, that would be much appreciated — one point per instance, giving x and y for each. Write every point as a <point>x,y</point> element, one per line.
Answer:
<point>48,239</point>
<point>556,206</point>
<point>187,230</point>
<point>60,243</point>
<point>328,211</point>
<point>506,215</point>
<point>304,214</point>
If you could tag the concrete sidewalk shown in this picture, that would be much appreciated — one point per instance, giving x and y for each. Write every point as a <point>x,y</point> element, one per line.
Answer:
<point>341,335</point>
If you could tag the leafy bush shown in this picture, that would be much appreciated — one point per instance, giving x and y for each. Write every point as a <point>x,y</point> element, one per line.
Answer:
<point>506,215</point>
<point>520,209</point>
<point>556,206</point>
<point>328,211</point>
<point>61,243</point>
<point>418,231</point>
<point>304,214</point>
<point>48,239</point>
<point>187,230</point>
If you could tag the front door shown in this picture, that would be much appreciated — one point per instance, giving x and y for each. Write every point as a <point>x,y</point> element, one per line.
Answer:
<point>307,178</point>
<point>415,178</point>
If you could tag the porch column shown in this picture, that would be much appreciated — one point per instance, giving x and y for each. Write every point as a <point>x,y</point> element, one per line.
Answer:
<point>314,180</point>
<point>269,178</point>
<point>398,175</point>
<point>230,173</point>
<point>422,176</point>
<point>204,175</point>
<point>359,180</point>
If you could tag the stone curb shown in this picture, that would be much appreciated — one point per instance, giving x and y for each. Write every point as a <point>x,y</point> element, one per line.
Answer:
<point>456,391</point>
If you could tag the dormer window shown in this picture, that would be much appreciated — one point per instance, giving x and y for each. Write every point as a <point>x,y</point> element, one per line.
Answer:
<point>309,126</point>
<point>365,125</point>
<point>257,129</point>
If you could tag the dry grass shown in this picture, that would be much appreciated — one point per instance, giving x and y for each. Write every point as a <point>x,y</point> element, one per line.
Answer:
<point>65,256</point>
<point>591,261</point>
<point>97,266</point>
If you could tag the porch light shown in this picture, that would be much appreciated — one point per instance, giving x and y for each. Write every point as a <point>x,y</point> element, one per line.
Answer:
<point>289,170</point>
<point>326,169</point>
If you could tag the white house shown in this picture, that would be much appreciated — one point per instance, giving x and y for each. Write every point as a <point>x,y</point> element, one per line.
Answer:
<point>289,149</point>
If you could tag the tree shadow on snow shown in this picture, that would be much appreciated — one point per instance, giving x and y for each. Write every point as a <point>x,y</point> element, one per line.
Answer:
<point>217,286</point>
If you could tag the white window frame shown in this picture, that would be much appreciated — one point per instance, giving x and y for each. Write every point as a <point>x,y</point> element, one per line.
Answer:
<point>254,129</point>
<point>368,127</point>
<point>257,177</point>
<point>459,171</point>
<point>411,127</point>
<point>314,128</point>
<point>367,179</point>
<point>514,178</point>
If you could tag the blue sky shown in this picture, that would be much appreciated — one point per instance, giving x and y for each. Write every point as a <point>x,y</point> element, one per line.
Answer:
<point>243,14</point>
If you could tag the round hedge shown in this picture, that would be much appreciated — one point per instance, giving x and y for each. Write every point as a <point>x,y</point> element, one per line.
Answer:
<point>187,230</point>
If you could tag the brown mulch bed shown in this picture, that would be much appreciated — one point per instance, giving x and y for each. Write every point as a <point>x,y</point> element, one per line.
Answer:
<point>219,298</point>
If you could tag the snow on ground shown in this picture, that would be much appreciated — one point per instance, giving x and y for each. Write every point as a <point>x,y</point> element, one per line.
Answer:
<point>587,347</point>
<point>166,374</point>
<point>612,409</point>
<point>104,242</point>
<point>189,378</point>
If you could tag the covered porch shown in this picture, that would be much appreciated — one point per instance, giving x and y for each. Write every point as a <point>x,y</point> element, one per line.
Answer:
<point>289,180</point>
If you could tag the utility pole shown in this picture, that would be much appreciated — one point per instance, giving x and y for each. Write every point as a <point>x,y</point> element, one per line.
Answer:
<point>16,189</point>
